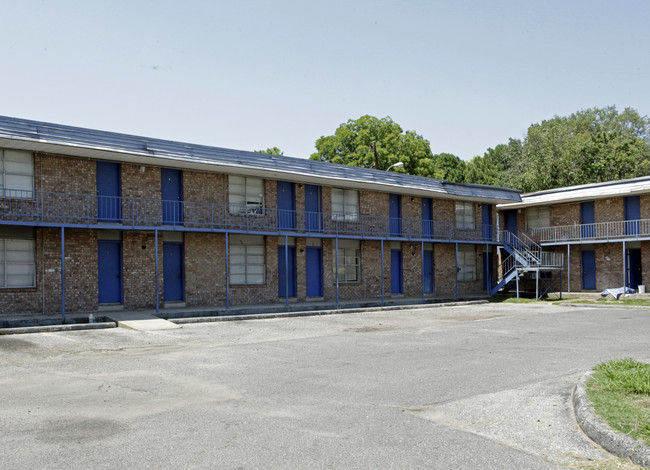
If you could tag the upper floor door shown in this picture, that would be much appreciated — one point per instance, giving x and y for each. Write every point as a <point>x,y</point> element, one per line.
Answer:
<point>109,204</point>
<point>427,218</point>
<point>486,218</point>
<point>587,219</point>
<point>286,206</point>
<point>312,208</point>
<point>632,212</point>
<point>395,215</point>
<point>511,220</point>
<point>172,196</point>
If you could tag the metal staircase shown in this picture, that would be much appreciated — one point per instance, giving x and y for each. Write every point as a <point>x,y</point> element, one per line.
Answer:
<point>524,255</point>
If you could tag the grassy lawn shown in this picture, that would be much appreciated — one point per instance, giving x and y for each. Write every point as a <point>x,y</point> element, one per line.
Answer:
<point>619,391</point>
<point>612,301</point>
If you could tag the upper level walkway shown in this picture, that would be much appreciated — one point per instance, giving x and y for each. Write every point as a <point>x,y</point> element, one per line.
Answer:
<point>52,209</point>
<point>624,230</point>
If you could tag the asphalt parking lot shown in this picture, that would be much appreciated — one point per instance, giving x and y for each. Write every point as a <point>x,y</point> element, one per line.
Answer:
<point>481,386</point>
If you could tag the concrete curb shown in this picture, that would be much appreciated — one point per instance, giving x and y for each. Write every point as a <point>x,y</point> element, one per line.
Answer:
<point>598,431</point>
<point>310,313</point>
<point>52,328</point>
<point>634,307</point>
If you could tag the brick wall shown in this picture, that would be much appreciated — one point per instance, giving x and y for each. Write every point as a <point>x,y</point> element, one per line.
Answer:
<point>64,174</point>
<point>608,210</point>
<point>565,214</point>
<point>139,269</point>
<point>205,269</point>
<point>373,203</point>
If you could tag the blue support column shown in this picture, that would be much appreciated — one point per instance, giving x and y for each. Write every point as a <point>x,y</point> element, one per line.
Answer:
<point>286,270</point>
<point>227,276</point>
<point>63,274</point>
<point>456,269</point>
<point>488,270</point>
<point>157,273</point>
<point>568,278</point>
<point>422,259</point>
<point>336,268</point>
<point>382,271</point>
<point>624,266</point>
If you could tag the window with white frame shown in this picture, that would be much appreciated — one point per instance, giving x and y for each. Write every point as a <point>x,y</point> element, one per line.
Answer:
<point>349,261</point>
<point>17,262</point>
<point>466,263</point>
<point>247,260</point>
<point>16,173</point>
<point>345,204</point>
<point>246,195</point>
<point>465,215</point>
<point>538,217</point>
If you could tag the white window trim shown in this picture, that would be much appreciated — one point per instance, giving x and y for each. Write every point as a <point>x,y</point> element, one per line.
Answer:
<point>347,210</point>
<point>251,247</point>
<point>538,217</point>
<point>465,216</point>
<point>252,202</point>
<point>466,263</point>
<point>6,264</point>
<point>8,190</point>
<point>349,262</point>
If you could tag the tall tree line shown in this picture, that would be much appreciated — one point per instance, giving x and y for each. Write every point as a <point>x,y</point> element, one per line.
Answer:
<point>589,146</point>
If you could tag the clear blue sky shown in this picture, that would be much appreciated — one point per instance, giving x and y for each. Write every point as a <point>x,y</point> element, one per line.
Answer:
<point>256,74</point>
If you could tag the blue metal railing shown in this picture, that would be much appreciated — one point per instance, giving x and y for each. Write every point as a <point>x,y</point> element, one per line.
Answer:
<point>53,208</point>
<point>602,231</point>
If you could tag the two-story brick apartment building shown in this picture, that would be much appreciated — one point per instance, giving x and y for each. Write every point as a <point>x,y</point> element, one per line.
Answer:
<point>97,220</point>
<point>603,229</point>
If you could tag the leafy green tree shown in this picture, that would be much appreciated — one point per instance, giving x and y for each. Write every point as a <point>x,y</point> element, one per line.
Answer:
<point>352,144</point>
<point>271,151</point>
<point>444,166</point>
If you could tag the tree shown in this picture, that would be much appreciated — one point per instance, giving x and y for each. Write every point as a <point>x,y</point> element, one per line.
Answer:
<point>444,166</point>
<point>271,151</point>
<point>352,144</point>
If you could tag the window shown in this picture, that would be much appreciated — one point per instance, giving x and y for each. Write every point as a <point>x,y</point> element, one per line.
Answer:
<point>345,204</point>
<point>16,173</point>
<point>247,260</point>
<point>17,262</point>
<point>538,217</point>
<point>466,263</point>
<point>465,215</point>
<point>246,195</point>
<point>349,261</point>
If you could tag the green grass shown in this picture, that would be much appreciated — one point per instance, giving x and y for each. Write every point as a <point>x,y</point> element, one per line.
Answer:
<point>619,391</point>
<point>610,300</point>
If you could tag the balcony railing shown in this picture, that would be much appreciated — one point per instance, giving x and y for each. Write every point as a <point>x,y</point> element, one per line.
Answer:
<point>51,208</point>
<point>624,229</point>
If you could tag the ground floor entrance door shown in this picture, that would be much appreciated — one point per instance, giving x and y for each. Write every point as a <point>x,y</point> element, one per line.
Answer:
<point>284,269</point>
<point>109,263</point>
<point>396,272</point>
<point>427,275</point>
<point>173,271</point>
<point>633,277</point>
<point>588,269</point>
<point>314,259</point>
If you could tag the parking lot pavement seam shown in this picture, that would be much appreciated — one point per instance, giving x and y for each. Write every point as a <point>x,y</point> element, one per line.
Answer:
<point>598,431</point>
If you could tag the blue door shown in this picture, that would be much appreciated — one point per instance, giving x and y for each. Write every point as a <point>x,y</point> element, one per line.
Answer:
<point>588,269</point>
<point>396,271</point>
<point>282,271</point>
<point>511,220</point>
<point>109,263</point>
<point>108,192</point>
<point>486,217</point>
<point>633,273</point>
<point>587,220</point>
<point>395,214</point>
<point>312,208</point>
<point>172,196</point>
<point>286,206</point>
<point>632,214</point>
<point>427,218</point>
<point>488,271</point>
<point>314,260</point>
<point>427,275</point>
<point>173,271</point>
